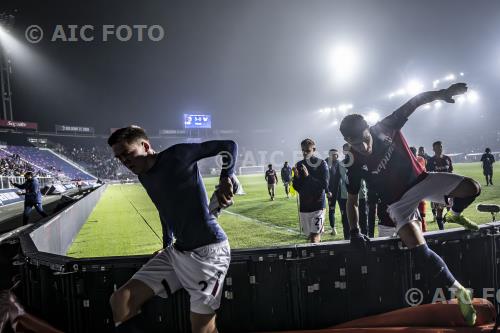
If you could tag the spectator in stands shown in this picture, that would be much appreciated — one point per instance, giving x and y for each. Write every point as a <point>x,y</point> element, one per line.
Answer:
<point>310,180</point>
<point>286,178</point>
<point>32,196</point>
<point>488,159</point>
<point>272,180</point>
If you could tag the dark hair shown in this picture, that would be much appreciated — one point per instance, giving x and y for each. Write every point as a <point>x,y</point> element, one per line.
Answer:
<point>420,148</point>
<point>28,174</point>
<point>128,134</point>
<point>346,145</point>
<point>413,150</point>
<point>436,143</point>
<point>307,142</point>
<point>487,150</point>
<point>334,150</point>
<point>353,125</point>
<point>269,165</point>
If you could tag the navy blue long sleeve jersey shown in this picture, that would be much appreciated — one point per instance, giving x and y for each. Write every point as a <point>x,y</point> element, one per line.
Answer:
<point>312,188</point>
<point>175,186</point>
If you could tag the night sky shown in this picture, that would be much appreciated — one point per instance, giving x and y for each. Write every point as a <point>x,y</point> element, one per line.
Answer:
<point>257,64</point>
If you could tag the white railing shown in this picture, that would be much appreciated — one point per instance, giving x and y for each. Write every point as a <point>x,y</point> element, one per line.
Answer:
<point>5,184</point>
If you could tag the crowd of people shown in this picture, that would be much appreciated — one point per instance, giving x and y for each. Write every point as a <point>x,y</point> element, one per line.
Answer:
<point>381,175</point>
<point>329,178</point>
<point>14,166</point>
<point>97,160</point>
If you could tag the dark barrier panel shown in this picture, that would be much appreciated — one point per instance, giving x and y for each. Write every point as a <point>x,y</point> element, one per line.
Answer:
<point>284,288</point>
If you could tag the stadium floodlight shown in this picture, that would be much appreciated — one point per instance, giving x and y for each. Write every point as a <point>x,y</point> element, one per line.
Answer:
<point>435,83</point>
<point>344,60</point>
<point>472,96</point>
<point>427,106</point>
<point>401,92</point>
<point>391,95</point>
<point>461,99</point>
<point>345,107</point>
<point>450,77</point>
<point>372,117</point>
<point>335,122</point>
<point>438,105</point>
<point>461,73</point>
<point>414,87</point>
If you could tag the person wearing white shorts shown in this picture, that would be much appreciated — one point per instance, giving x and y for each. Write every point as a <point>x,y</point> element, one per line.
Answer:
<point>199,259</point>
<point>200,271</point>
<point>435,187</point>
<point>310,180</point>
<point>381,156</point>
<point>312,222</point>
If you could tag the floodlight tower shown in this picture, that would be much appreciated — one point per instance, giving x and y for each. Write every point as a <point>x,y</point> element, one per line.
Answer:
<point>6,22</point>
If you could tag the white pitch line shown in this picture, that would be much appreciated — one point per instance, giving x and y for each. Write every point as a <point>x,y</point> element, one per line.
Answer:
<point>267,224</point>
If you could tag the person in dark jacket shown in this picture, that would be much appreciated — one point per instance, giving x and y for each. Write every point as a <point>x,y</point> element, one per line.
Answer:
<point>32,196</point>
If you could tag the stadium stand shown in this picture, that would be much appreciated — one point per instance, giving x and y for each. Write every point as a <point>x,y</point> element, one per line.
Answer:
<point>49,162</point>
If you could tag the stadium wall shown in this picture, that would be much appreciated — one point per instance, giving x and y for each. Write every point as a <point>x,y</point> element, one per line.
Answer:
<point>57,234</point>
<point>282,288</point>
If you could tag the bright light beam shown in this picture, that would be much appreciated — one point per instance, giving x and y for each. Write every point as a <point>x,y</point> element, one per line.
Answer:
<point>344,60</point>
<point>372,118</point>
<point>414,87</point>
<point>472,96</point>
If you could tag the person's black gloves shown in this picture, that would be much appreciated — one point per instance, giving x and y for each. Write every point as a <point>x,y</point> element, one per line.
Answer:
<point>358,239</point>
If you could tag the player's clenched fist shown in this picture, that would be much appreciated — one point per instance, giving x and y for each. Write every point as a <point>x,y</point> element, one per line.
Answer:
<point>225,192</point>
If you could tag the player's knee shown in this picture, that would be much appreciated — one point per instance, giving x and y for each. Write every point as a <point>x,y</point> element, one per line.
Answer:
<point>474,188</point>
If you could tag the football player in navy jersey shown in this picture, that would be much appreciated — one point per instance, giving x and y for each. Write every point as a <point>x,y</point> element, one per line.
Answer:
<point>310,180</point>
<point>381,156</point>
<point>199,258</point>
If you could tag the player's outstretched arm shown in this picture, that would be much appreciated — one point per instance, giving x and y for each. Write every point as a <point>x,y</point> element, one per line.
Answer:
<point>430,96</point>
<point>352,211</point>
<point>20,186</point>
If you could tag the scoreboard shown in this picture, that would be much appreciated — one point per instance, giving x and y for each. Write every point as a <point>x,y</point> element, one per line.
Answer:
<point>197,121</point>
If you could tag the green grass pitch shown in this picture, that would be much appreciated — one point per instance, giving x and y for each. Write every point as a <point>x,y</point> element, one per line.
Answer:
<point>116,228</point>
